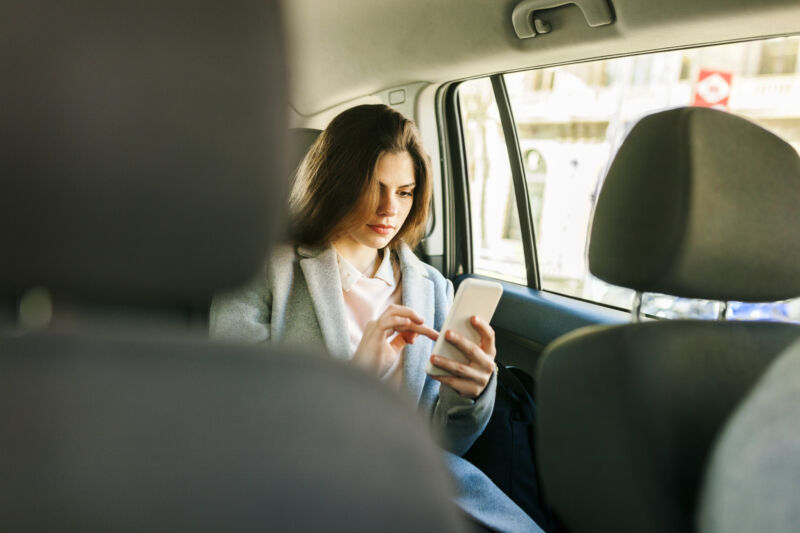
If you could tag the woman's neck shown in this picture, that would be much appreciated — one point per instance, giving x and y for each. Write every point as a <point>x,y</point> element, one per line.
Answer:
<point>360,256</point>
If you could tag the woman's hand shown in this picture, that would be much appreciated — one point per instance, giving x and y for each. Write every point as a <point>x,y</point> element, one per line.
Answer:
<point>375,352</point>
<point>469,379</point>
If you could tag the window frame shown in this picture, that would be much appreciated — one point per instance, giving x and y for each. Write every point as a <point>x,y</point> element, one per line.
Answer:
<point>517,166</point>
<point>456,219</point>
<point>458,253</point>
<point>457,246</point>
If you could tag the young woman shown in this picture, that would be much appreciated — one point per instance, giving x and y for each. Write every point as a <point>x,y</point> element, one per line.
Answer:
<point>351,285</point>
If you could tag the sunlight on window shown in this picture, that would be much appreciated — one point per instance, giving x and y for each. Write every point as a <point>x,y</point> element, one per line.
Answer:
<point>497,242</point>
<point>570,122</point>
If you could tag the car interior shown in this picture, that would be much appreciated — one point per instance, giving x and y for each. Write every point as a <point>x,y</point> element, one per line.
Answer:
<point>644,421</point>
<point>628,170</point>
<point>137,192</point>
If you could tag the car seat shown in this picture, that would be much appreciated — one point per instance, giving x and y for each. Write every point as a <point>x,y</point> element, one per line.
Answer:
<point>698,203</point>
<point>300,140</point>
<point>140,142</point>
<point>754,472</point>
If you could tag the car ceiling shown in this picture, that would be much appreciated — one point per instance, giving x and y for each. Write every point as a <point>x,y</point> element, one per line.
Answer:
<point>346,49</point>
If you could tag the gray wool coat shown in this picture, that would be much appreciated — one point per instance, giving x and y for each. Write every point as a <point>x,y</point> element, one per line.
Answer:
<point>297,300</point>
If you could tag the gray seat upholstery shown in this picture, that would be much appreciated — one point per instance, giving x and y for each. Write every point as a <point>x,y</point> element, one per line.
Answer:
<point>136,145</point>
<point>300,140</point>
<point>754,471</point>
<point>697,203</point>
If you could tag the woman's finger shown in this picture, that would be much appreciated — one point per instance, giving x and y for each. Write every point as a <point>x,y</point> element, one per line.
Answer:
<point>420,329</point>
<point>461,370</point>
<point>387,324</point>
<point>399,342</point>
<point>471,351</point>
<point>467,389</point>
<point>408,336</point>
<point>487,334</point>
<point>395,310</point>
<point>402,339</point>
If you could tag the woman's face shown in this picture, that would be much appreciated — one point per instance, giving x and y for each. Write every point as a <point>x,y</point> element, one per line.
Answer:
<point>395,175</point>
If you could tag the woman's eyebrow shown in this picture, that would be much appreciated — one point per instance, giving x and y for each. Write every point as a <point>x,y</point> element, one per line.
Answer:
<point>411,185</point>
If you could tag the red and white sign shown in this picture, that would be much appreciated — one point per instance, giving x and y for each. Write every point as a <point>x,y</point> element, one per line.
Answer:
<point>713,89</point>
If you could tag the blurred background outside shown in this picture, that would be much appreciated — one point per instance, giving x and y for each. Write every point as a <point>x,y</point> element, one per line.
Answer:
<point>571,120</point>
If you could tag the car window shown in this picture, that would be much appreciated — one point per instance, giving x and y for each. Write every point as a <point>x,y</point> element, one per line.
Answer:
<point>496,237</point>
<point>571,119</point>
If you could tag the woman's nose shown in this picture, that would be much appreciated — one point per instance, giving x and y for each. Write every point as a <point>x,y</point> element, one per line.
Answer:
<point>387,207</point>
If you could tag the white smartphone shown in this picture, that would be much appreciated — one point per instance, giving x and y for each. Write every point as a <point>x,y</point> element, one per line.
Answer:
<point>473,297</point>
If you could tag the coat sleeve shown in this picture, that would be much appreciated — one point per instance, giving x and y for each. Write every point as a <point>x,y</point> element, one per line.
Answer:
<point>459,421</point>
<point>244,314</point>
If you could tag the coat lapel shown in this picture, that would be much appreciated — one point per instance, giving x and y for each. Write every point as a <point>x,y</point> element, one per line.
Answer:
<point>325,287</point>
<point>417,294</point>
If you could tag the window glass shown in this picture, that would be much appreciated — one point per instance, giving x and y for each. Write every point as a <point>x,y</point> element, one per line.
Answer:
<point>571,120</point>
<point>496,239</point>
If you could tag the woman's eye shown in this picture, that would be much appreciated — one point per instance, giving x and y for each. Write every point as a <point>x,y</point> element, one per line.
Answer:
<point>406,194</point>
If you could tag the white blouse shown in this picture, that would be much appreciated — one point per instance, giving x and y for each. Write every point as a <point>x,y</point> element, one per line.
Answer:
<point>366,298</point>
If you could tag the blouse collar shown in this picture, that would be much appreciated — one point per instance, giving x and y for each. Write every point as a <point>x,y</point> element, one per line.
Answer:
<point>350,274</point>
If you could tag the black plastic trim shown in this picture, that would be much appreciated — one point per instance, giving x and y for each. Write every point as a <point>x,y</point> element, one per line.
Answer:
<point>455,189</point>
<point>518,177</point>
<point>542,316</point>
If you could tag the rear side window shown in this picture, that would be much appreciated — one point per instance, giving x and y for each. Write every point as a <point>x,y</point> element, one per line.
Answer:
<point>569,122</point>
<point>496,238</point>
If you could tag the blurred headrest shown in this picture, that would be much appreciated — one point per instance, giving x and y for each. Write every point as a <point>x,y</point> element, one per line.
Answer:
<point>141,146</point>
<point>299,141</point>
<point>703,204</point>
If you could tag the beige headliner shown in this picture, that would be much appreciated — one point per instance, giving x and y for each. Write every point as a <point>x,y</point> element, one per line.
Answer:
<point>340,50</point>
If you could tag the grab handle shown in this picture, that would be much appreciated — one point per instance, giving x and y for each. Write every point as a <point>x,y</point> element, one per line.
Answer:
<point>526,24</point>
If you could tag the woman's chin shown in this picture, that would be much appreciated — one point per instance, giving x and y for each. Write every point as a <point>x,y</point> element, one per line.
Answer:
<point>379,241</point>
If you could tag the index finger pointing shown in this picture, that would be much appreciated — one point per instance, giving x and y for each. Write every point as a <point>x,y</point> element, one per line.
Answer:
<point>402,310</point>
<point>421,329</point>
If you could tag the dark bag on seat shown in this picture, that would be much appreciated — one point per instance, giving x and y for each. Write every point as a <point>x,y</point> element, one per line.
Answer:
<point>505,450</point>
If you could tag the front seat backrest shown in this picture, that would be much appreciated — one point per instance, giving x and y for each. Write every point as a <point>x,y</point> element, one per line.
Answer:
<point>697,203</point>
<point>754,471</point>
<point>141,165</point>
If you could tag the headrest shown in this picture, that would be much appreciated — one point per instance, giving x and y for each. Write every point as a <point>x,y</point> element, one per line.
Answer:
<point>703,204</point>
<point>299,141</point>
<point>140,146</point>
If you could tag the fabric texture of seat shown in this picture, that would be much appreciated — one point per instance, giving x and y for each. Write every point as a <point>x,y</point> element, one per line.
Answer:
<point>130,432</point>
<point>142,154</point>
<point>300,140</point>
<point>628,414</point>
<point>687,210</point>
<point>128,132</point>
<point>754,471</point>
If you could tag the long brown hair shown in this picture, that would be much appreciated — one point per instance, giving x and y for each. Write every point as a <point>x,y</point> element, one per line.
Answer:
<point>335,188</point>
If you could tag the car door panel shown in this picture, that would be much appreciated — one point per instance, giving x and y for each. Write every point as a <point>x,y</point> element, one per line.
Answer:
<point>527,320</point>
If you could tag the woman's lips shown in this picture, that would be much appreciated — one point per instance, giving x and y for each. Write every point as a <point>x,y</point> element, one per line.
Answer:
<point>380,229</point>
